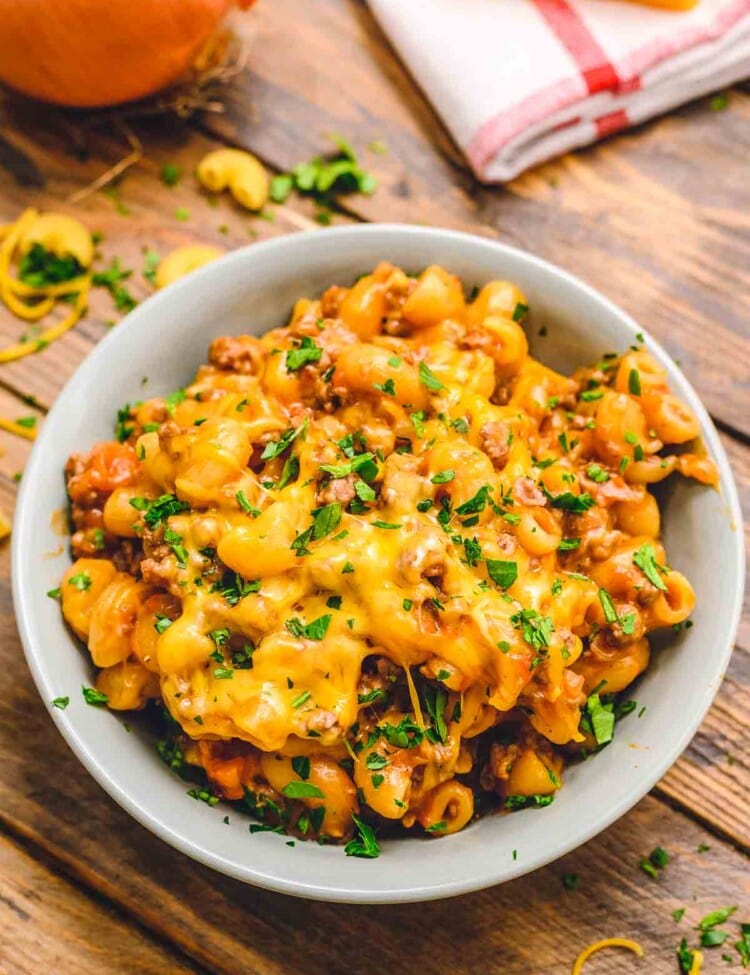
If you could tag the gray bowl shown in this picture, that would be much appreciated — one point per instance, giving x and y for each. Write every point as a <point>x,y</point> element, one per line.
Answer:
<point>156,350</point>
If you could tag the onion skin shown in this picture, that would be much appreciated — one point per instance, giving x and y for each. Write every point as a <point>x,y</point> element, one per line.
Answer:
<point>91,53</point>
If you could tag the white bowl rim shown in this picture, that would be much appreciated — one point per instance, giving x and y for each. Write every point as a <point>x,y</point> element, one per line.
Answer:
<point>22,578</point>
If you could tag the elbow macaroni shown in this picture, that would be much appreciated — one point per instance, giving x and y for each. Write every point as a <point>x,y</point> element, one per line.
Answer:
<point>381,562</point>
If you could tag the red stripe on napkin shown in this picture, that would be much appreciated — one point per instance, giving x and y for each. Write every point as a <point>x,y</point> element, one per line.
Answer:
<point>613,122</point>
<point>597,70</point>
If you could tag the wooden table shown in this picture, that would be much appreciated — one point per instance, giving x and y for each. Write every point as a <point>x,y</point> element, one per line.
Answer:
<point>659,220</point>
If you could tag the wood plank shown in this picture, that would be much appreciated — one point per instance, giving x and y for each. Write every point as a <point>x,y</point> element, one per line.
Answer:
<point>150,222</point>
<point>635,216</point>
<point>46,924</point>
<point>528,925</point>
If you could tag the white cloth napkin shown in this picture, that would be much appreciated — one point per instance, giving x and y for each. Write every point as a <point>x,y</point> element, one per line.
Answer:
<point>520,81</point>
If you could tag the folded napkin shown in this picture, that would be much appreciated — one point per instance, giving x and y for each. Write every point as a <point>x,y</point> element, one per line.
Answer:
<point>520,81</point>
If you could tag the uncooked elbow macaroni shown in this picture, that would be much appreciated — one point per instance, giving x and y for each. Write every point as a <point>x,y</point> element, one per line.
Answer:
<point>380,565</point>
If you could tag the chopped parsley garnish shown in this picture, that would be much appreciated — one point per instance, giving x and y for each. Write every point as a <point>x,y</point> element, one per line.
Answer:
<point>535,628</point>
<point>151,261</point>
<point>657,859</point>
<point>685,957</point>
<point>312,631</point>
<point>428,378</point>
<point>325,520</point>
<point>503,573</point>
<point>715,917</point>
<point>171,174</point>
<point>245,504</point>
<point>223,673</point>
<point>348,567</point>
<point>525,802</point>
<point>365,843</point>
<point>306,353</point>
<point>94,697</point>
<point>610,613</point>
<point>277,447</point>
<point>162,623</point>
<point>385,524</point>
<point>324,178</point>
<point>233,587</point>
<point>302,790</point>
<point>743,945</point>
<point>61,703</point>
<point>634,382</point>
<point>591,395</point>
<point>363,463</point>
<point>41,267</point>
<point>473,551</point>
<point>363,491</point>
<point>439,827</point>
<point>334,602</point>
<point>476,503</point>
<point>568,544</point>
<point>417,420</point>
<point>570,881</point>
<point>371,696</point>
<point>203,795</point>
<point>388,387</point>
<point>436,700</point>
<point>301,699</point>
<point>80,581</point>
<point>601,716</point>
<point>375,762</point>
<point>290,471</point>
<point>406,734</point>
<point>155,512</point>
<point>567,501</point>
<point>112,279</point>
<point>443,477</point>
<point>520,311</point>
<point>597,473</point>
<point>301,766</point>
<point>645,559</point>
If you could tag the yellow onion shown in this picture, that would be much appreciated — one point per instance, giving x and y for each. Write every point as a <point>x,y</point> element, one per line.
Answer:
<point>88,53</point>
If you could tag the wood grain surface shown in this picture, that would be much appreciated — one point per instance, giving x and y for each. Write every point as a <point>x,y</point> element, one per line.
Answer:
<point>48,925</point>
<point>659,220</point>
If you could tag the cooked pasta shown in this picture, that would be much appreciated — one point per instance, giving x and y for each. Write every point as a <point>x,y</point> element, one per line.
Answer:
<point>380,565</point>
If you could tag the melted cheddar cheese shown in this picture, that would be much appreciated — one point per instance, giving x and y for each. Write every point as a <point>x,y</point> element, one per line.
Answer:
<point>381,558</point>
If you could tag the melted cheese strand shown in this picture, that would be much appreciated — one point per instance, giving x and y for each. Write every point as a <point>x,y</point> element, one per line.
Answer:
<point>21,349</point>
<point>600,945</point>
<point>28,433</point>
